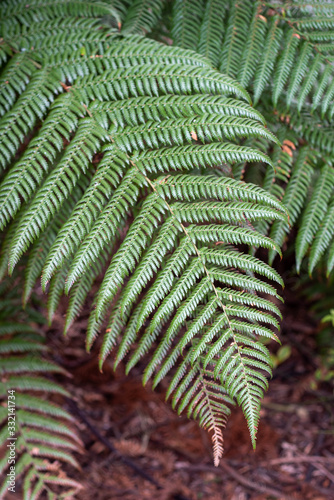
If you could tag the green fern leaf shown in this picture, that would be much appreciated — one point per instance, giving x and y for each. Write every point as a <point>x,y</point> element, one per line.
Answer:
<point>266,66</point>
<point>314,212</point>
<point>212,29</point>
<point>142,16</point>
<point>186,18</point>
<point>255,39</point>
<point>285,65</point>
<point>323,238</point>
<point>236,37</point>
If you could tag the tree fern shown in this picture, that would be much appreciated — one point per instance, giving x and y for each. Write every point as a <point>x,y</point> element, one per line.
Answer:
<point>123,163</point>
<point>121,150</point>
<point>44,431</point>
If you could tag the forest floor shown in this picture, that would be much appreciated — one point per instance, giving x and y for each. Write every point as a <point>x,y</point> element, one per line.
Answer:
<point>294,458</point>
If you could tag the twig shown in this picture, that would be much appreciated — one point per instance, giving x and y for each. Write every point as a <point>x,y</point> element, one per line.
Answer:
<point>240,479</point>
<point>324,471</point>
<point>151,428</point>
<point>316,448</point>
<point>108,445</point>
<point>254,486</point>
<point>286,460</point>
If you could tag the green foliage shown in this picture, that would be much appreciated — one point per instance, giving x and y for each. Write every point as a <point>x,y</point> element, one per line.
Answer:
<point>141,162</point>
<point>129,151</point>
<point>43,431</point>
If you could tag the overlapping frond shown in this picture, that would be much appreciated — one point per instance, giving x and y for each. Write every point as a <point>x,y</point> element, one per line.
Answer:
<point>212,30</point>
<point>16,13</point>
<point>142,16</point>
<point>187,15</point>
<point>41,432</point>
<point>282,52</point>
<point>235,38</point>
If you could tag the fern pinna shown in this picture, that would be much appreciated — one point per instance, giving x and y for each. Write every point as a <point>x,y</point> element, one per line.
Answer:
<point>118,155</point>
<point>42,432</point>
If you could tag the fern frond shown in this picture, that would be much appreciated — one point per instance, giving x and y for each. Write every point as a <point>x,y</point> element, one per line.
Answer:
<point>29,383</point>
<point>323,238</point>
<point>156,80</point>
<point>56,290</point>
<point>105,228</point>
<point>309,81</point>
<point>56,188</point>
<point>318,23</point>
<point>41,247</point>
<point>20,120</point>
<point>28,172</point>
<point>255,39</point>
<point>36,11</point>
<point>138,111</point>
<point>14,79</point>
<point>285,64</point>
<point>330,262</point>
<point>40,427</point>
<point>294,196</point>
<point>298,72</point>
<point>206,401</point>
<point>266,66</point>
<point>129,164</point>
<point>80,290</point>
<point>81,219</point>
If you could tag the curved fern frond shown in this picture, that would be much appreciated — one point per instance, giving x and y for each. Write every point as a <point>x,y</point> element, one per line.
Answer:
<point>205,400</point>
<point>18,12</point>
<point>322,239</point>
<point>266,67</point>
<point>254,40</point>
<point>294,196</point>
<point>130,164</point>
<point>285,64</point>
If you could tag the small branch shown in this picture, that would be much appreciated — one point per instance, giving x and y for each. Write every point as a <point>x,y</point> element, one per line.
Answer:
<point>315,461</point>
<point>74,407</point>
<point>305,459</point>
